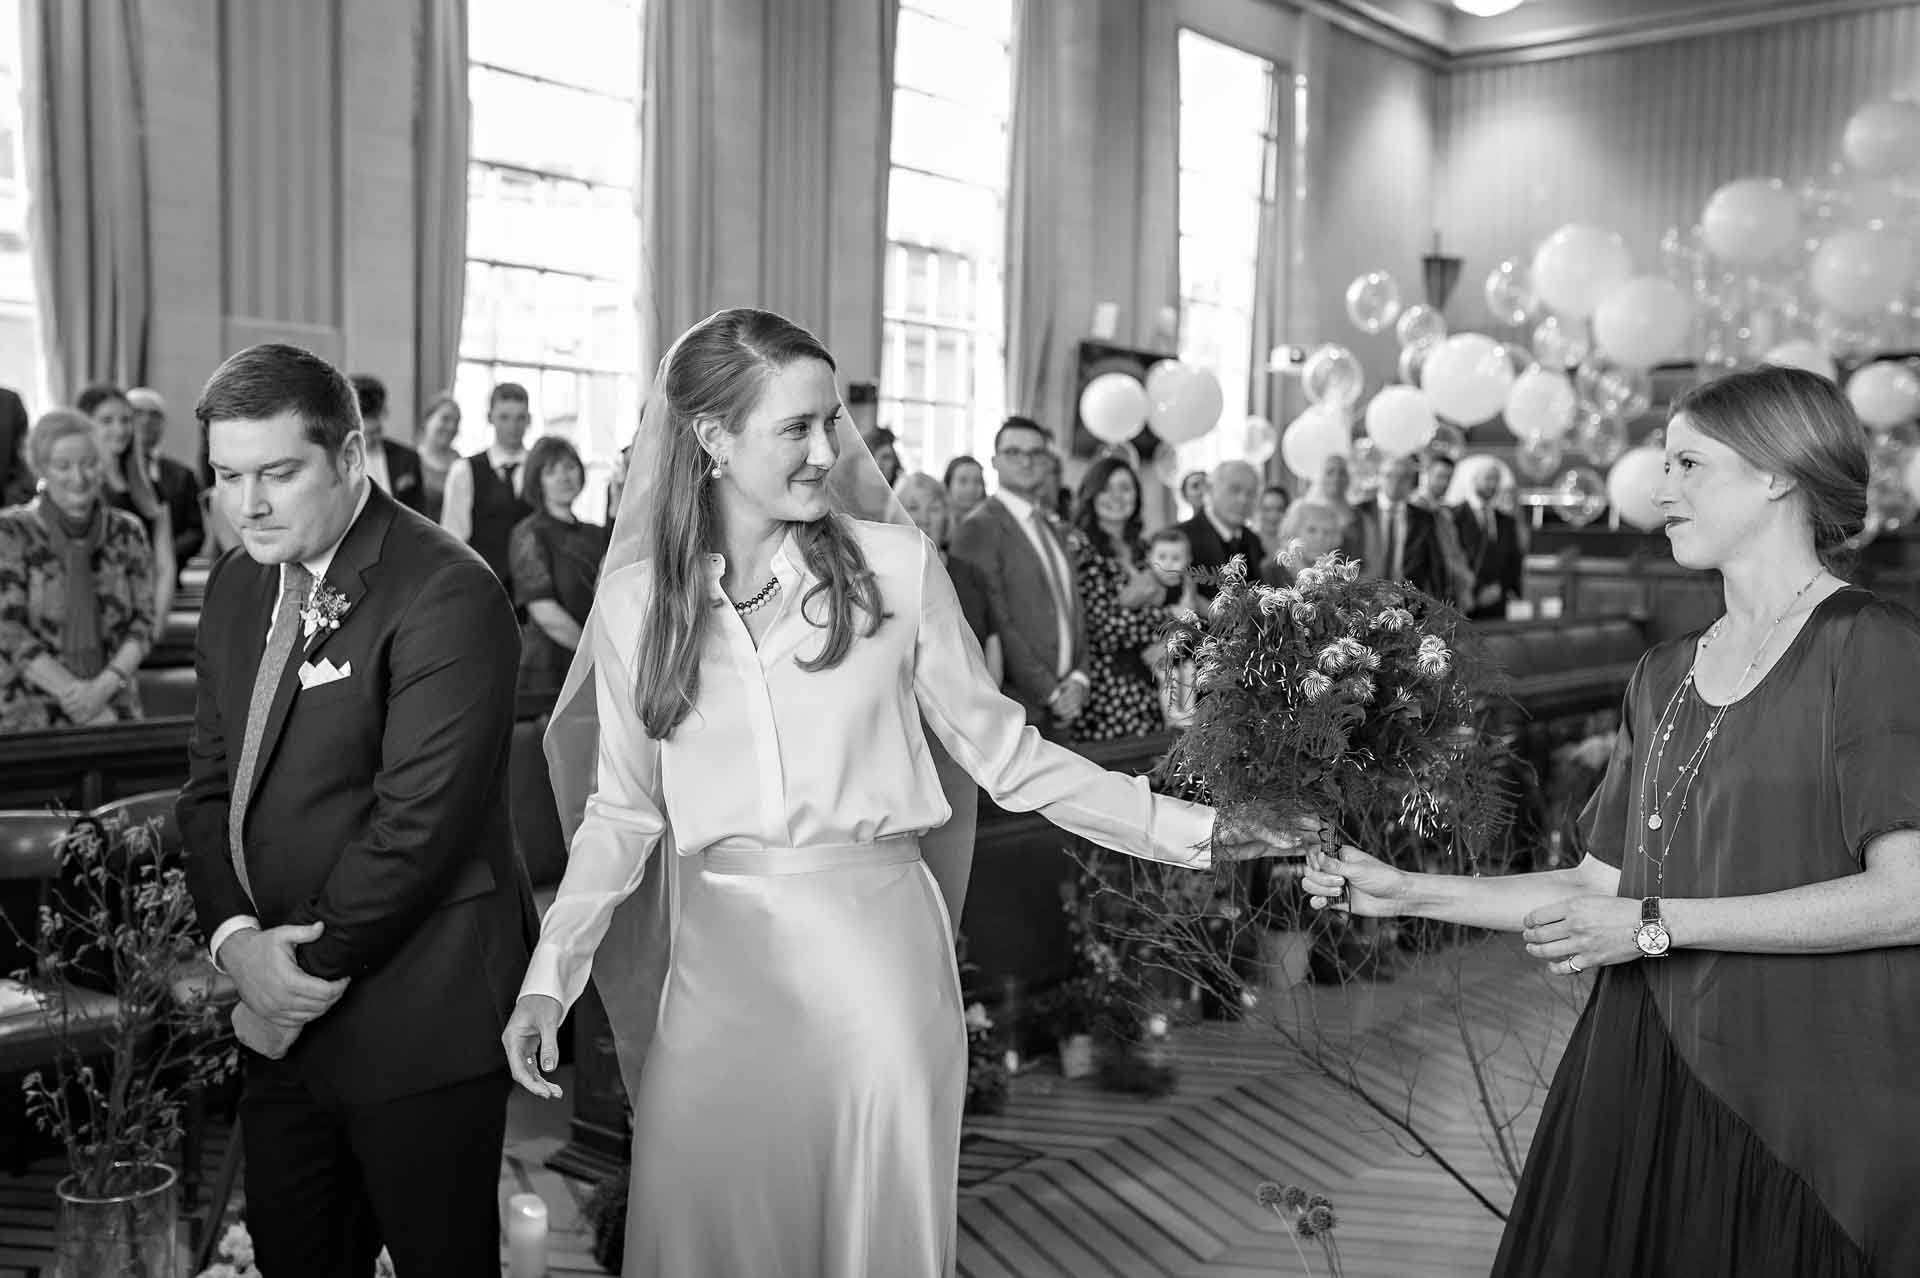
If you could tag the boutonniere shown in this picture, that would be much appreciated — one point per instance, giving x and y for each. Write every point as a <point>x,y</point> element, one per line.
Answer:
<point>323,611</point>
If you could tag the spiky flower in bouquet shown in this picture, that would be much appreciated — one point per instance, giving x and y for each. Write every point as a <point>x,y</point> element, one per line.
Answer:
<point>1346,698</point>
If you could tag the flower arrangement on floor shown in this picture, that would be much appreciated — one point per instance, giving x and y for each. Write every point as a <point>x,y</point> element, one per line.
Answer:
<point>987,1069</point>
<point>1305,1215</point>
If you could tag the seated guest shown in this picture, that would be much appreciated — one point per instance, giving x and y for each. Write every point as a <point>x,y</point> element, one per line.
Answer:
<point>437,456</point>
<point>390,464</point>
<point>128,485</point>
<point>76,590</point>
<point>1123,601</point>
<point>482,503</point>
<point>555,561</point>
<point>1490,541</point>
<point>924,498</point>
<point>1219,531</point>
<point>178,485</point>
<point>966,486</point>
<point>1311,529</point>
<point>1400,541</point>
<point>1274,501</point>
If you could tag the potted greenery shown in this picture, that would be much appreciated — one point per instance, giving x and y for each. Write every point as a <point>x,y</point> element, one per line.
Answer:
<point>115,1092</point>
<point>1069,1015</point>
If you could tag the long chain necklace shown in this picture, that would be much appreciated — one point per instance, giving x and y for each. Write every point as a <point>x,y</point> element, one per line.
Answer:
<point>765,593</point>
<point>1654,821</point>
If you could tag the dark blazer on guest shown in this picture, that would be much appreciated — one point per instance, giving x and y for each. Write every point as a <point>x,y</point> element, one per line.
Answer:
<point>16,480</point>
<point>1020,606</point>
<point>379,806</point>
<point>1212,552</point>
<point>403,468</point>
<point>179,491</point>
<point>1422,561</point>
<point>1498,560</point>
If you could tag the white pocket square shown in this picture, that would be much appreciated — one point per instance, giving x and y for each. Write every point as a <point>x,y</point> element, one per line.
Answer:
<point>318,675</point>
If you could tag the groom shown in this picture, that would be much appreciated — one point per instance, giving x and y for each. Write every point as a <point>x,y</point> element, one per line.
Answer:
<point>347,838</point>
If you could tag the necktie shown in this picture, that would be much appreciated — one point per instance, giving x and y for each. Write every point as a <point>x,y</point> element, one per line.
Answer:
<point>295,582</point>
<point>1486,522</point>
<point>1393,543</point>
<point>1050,556</point>
<point>508,471</point>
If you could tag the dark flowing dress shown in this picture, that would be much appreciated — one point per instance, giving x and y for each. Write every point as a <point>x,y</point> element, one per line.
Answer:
<point>552,559</point>
<point>1722,1115</point>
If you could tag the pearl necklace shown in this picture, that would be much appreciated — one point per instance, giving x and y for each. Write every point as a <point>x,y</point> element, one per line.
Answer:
<point>1690,770</point>
<point>766,592</point>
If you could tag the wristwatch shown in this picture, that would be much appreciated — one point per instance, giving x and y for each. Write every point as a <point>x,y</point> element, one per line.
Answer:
<point>1651,936</point>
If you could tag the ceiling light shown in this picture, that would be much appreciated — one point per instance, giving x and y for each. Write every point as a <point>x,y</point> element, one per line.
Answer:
<point>1485,8</point>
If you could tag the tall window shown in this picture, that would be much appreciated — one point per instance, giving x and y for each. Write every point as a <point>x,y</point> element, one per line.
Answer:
<point>1228,182</point>
<point>553,232</point>
<point>943,372</point>
<point>21,367</point>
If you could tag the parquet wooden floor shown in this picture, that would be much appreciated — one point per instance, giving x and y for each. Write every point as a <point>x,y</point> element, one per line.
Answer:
<point>1072,1182</point>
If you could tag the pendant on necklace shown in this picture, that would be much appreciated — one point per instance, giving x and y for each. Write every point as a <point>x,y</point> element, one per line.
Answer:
<point>1653,822</point>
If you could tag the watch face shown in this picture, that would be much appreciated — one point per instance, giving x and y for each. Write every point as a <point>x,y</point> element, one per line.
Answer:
<point>1652,939</point>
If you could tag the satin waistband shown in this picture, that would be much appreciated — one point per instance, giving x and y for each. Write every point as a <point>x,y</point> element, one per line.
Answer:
<point>901,850</point>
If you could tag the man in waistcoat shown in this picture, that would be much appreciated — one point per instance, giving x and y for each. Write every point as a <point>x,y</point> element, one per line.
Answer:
<point>482,502</point>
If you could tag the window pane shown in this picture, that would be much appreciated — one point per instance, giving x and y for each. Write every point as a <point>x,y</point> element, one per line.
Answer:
<point>943,214</point>
<point>948,138</point>
<point>937,58</point>
<point>516,217</point>
<point>990,18</point>
<point>552,129</point>
<point>594,44</point>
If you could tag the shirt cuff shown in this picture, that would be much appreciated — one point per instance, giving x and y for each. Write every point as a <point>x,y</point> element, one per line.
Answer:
<point>226,932</point>
<point>551,972</point>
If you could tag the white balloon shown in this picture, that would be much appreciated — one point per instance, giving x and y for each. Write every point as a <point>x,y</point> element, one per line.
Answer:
<point>1861,271</point>
<point>1311,438</point>
<point>1400,420</point>
<point>1114,407</point>
<point>1261,440</point>
<point>1576,266</point>
<point>1631,484</point>
<point>1643,321</point>
<point>1467,377</point>
<point>1884,137</point>
<point>1184,402</point>
<point>1540,405</point>
<point>1751,221</point>
<point>1801,353</point>
<point>1885,394</point>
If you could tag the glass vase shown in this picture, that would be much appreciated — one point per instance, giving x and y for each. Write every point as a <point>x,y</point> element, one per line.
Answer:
<point>131,1234</point>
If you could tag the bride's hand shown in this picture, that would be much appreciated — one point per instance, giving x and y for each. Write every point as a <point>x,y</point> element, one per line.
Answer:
<point>1354,883</point>
<point>1247,838</point>
<point>532,1043</point>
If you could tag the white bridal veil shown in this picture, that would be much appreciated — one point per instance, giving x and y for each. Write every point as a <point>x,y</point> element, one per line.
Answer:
<point>629,968</point>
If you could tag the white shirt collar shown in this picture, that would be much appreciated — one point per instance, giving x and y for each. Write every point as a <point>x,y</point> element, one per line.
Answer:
<point>319,564</point>
<point>1017,506</point>
<point>498,456</point>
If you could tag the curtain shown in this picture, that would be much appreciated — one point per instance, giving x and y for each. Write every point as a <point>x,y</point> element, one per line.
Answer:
<point>1033,216</point>
<point>677,188</point>
<point>441,126</point>
<point>86,141</point>
<point>1269,270</point>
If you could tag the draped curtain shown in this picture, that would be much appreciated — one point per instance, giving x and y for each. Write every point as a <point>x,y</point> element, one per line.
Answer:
<point>85,124</point>
<point>1033,216</point>
<point>442,137</point>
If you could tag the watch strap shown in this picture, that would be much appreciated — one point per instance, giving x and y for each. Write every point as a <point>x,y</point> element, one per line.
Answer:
<point>1649,909</point>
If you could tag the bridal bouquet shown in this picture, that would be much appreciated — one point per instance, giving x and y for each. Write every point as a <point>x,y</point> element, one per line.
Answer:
<point>1348,699</point>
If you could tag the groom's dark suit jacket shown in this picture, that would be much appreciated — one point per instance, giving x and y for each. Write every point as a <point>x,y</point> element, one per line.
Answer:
<point>380,802</point>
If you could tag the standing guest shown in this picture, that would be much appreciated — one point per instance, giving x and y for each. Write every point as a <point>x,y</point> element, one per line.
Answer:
<point>1193,491</point>
<point>1311,529</point>
<point>1490,542</point>
<point>762,661</point>
<point>1126,615</point>
<point>16,476</point>
<point>482,502</point>
<point>1399,540</point>
<point>390,464</point>
<point>177,485</point>
<point>1021,555</point>
<point>1274,501</point>
<point>1737,1099</point>
<point>1436,479</point>
<point>438,429</point>
<point>556,564</point>
<point>1219,531</point>
<point>76,595</point>
<point>347,838</point>
<point>129,486</point>
<point>924,498</point>
<point>966,486</point>
<point>884,446</point>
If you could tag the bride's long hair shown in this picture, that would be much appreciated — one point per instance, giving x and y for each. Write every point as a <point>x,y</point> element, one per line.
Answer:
<point>716,372</point>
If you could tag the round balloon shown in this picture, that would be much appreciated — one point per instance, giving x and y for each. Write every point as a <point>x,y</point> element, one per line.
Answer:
<point>1802,353</point>
<point>1581,496</point>
<point>1560,344</point>
<point>1538,457</point>
<point>1884,394</point>
<point>1643,321</point>
<point>1861,270</point>
<point>1540,405</point>
<point>1332,375</point>
<point>1612,390</point>
<point>1751,221</point>
<point>1600,437</point>
<point>1186,404</point>
<point>1311,438</point>
<point>1261,439</point>
<point>1467,377</point>
<point>1578,265</point>
<point>1400,420</point>
<point>1419,325</point>
<point>1373,301</point>
<point>1508,300</point>
<point>1413,359</point>
<point>1884,137</point>
<point>1631,484</point>
<point>1114,407</point>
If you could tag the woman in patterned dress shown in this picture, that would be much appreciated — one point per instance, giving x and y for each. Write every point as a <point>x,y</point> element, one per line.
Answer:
<point>1122,600</point>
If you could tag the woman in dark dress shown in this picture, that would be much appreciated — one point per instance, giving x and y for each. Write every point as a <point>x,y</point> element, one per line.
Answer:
<point>1124,605</point>
<point>127,484</point>
<point>556,564</point>
<point>1738,1099</point>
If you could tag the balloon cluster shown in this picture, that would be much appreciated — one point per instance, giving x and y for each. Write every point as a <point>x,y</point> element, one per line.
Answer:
<point>1178,401</point>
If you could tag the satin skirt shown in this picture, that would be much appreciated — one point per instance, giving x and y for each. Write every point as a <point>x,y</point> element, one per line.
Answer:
<point>799,1110</point>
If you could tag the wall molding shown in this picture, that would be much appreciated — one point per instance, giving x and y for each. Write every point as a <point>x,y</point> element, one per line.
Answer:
<point>1575,42</point>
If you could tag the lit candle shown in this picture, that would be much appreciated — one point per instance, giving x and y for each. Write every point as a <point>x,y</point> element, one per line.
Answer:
<point>526,1236</point>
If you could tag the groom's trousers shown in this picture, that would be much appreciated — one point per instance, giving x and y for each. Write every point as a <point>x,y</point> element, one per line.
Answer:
<point>328,1183</point>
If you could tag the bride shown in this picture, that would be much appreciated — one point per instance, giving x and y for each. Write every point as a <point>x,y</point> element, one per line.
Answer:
<point>756,672</point>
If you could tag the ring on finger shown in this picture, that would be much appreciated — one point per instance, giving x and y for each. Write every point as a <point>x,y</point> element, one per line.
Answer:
<point>1573,968</point>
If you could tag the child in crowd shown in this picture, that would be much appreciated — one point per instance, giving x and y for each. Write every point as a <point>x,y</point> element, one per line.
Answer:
<point>1170,556</point>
